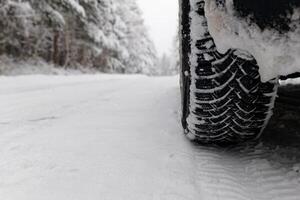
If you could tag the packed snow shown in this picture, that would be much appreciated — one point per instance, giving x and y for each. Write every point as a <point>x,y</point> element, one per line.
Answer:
<point>276,54</point>
<point>119,137</point>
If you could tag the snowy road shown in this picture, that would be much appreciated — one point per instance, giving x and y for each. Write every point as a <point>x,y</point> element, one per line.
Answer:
<point>119,138</point>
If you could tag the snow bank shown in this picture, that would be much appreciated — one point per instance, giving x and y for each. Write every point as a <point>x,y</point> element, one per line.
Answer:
<point>276,54</point>
<point>11,67</point>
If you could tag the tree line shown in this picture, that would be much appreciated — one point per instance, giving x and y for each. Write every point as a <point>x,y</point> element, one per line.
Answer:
<point>106,35</point>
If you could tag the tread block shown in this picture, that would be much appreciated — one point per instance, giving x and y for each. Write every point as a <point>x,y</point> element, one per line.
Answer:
<point>232,104</point>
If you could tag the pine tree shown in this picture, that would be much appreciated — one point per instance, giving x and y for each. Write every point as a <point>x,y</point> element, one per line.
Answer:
<point>16,27</point>
<point>141,56</point>
<point>107,35</point>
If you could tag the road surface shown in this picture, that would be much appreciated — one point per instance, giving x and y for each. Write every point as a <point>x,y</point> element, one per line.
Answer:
<point>114,137</point>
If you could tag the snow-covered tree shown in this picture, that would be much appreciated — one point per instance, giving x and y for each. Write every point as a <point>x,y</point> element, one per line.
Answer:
<point>164,65</point>
<point>168,64</point>
<point>16,25</point>
<point>175,57</point>
<point>107,35</point>
<point>141,54</point>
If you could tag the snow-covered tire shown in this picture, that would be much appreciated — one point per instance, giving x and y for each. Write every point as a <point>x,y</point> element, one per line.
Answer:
<point>223,98</point>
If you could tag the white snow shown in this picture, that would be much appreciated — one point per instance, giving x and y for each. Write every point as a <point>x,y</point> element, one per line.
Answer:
<point>276,54</point>
<point>11,67</point>
<point>196,34</point>
<point>116,137</point>
<point>76,6</point>
<point>293,81</point>
<point>55,15</point>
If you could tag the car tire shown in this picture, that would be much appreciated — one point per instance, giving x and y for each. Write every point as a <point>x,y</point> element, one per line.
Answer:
<point>223,98</point>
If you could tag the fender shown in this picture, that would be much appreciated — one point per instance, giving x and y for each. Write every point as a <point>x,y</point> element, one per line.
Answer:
<point>268,30</point>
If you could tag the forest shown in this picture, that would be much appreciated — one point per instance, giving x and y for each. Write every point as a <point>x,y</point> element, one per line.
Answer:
<point>101,35</point>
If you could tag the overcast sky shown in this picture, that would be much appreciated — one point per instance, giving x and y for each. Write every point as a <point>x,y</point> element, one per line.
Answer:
<point>161,19</point>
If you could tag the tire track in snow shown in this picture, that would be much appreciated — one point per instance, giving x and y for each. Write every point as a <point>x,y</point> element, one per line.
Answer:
<point>264,170</point>
<point>248,172</point>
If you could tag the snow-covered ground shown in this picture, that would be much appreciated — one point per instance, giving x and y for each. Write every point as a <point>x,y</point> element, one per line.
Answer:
<point>12,67</point>
<point>114,137</point>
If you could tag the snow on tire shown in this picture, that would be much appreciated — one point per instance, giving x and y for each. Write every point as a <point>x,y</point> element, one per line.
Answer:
<point>224,100</point>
